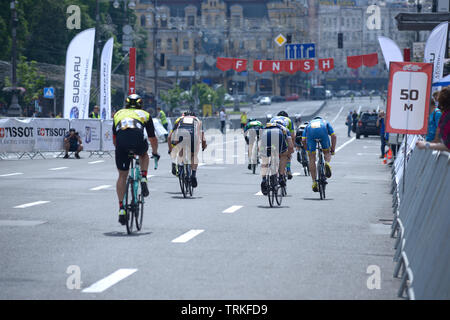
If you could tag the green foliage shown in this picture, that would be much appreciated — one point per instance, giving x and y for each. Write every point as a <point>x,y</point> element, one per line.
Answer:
<point>173,97</point>
<point>205,94</point>
<point>28,78</point>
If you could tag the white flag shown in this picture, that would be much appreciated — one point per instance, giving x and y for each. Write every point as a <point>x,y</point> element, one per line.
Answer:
<point>105,80</point>
<point>435,50</point>
<point>391,52</point>
<point>77,84</point>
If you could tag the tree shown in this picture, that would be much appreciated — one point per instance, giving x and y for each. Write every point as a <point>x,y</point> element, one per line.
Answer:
<point>28,78</point>
<point>173,97</point>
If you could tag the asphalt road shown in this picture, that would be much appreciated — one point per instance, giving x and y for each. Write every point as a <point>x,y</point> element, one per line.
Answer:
<point>58,225</point>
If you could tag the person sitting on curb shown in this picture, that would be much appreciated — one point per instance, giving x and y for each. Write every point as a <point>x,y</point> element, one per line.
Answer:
<point>72,143</point>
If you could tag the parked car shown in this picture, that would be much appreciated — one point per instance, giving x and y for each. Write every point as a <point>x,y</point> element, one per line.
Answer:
<point>328,94</point>
<point>278,99</point>
<point>228,98</point>
<point>367,125</point>
<point>265,101</point>
<point>292,97</point>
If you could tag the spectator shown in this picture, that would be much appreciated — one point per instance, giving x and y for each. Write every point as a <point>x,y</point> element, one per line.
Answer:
<point>433,121</point>
<point>380,123</point>
<point>444,124</point>
<point>349,122</point>
<point>72,143</point>
<point>162,117</point>
<point>355,120</point>
<point>95,114</point>
<point>394,140</point>
<point>59,116</point>
<point>223,119</point>
<point>243,120</point>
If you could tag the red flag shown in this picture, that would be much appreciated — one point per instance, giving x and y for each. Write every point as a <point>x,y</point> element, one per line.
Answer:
<point>370,60</point>
<point>326,64</point>
<point>306,66</point>
<point>354,62</point>
<point>224,64</point>
<point>240,65</point>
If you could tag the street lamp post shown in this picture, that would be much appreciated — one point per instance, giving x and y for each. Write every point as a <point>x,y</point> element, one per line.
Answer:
<point>14,109</point>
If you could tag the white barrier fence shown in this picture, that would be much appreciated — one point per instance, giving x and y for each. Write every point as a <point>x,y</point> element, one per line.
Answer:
<point>33,136</point>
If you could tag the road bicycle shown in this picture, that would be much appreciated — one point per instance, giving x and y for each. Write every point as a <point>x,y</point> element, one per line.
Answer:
<point>255,155</point>
<point>321,178</point>
<point>302,158</point>
<point>274,190</point>
<point>184,177</point>
<point>133,200</point>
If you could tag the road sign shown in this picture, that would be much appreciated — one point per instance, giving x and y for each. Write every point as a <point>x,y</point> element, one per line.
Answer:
<point>49,93</point>
<point>408,97</point>
<point>280,40</point>
<point>300,51</point>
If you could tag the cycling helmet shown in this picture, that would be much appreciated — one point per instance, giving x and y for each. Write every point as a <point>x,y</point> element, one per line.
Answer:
<point>188,113</point>
<point>251,119</point>
<point>134,101</point>
<point>282,114</point>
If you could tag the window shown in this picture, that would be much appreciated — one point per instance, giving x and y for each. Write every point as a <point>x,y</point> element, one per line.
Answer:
<point>169,44</point>
<point>185,44</point>
<point>163,23</point>
<point>191,21</point>
<point>158,43</point>
<point>236,21</point>
<point>143,21</point>
<point>241,45</point>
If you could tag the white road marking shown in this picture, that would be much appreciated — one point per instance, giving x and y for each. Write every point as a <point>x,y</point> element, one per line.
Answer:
<point>106,186</point>
<point>367,154</point>
<point>232,209</point>
<point>346,143</point>
<point>359,109</point>
<point>26,205</point>
<point>109,281</point>
<point>339,113</point>
<point>187,236</point>
<point>59,168</point>
<point>98,161</point>
<point>259,193</point>
<point>296,174</point>
<point>20,223</point>
<point>11,174</point>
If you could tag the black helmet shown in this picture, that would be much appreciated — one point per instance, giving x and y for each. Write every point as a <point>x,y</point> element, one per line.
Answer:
<point>188,113</point>
<point>282,114</point>
<point>134,101</point>
<point>251,119</point>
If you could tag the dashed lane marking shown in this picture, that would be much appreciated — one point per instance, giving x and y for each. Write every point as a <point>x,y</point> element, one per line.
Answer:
<point>11,174</point>
<point>109,281</point>
<point>187,236</point>
<point>105,186</point>
<point>31,204</point>
<point>232,209</point>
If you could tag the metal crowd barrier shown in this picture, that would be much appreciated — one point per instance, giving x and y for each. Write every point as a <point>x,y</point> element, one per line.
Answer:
<point>422,225</point>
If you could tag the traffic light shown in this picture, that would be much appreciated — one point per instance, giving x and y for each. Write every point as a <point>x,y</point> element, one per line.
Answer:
<point>161,60</point>
<point>340,41</point>
<point>289,38</point>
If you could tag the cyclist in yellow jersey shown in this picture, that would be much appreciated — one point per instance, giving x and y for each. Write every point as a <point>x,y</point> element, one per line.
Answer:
<point>128,136</point>
<point>184,140</point>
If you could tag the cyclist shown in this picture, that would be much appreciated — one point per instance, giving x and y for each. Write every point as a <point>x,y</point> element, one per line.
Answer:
<point>275,141</point>
<point>320,129</point>
<point>251,136</point>
<point>185,139</point>
<point>301,151</point>
<point>128,136</point>
<point>283,119</point>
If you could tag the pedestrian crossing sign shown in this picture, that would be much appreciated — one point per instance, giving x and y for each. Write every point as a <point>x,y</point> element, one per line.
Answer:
<point>49,93</point>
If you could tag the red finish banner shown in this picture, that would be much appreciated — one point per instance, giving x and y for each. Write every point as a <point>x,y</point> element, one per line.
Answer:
<point>224,64</point>
<point>370,60</point>
<point>132,72</point>
<point>326,64</point>
<point>354,62</point>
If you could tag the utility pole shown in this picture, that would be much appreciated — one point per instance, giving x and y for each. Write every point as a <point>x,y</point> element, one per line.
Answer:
<point>155,63</point>
<point>14,109</point>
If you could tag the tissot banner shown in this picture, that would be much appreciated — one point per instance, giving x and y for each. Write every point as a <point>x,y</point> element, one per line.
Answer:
<point>77,83</point>
<point>17,135</point>
<point>105,80</point>
<point>50,134</point>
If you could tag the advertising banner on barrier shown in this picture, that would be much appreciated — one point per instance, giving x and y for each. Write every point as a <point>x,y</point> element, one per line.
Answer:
<point>16,135</point>
<point>49,134</point>
<point>107,136</point>
<point>89,131</point>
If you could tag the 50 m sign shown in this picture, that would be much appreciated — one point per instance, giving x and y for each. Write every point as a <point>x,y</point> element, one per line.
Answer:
<point>408,97</point>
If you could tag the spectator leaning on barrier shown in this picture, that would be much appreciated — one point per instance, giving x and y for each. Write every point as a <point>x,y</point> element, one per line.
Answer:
<point>72,143</point>
<point>444,125</point>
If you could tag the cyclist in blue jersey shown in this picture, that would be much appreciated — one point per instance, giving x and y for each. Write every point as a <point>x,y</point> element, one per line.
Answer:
<point>319,128</point>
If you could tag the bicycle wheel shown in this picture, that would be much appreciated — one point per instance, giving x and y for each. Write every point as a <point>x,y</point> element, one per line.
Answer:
<point>189,183</point>
<point>181,180</point>
<point>278,191</point>
<point>139,212</point>
<point>254,168</point>
<point>270,192</point>
<point>129,205</point>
